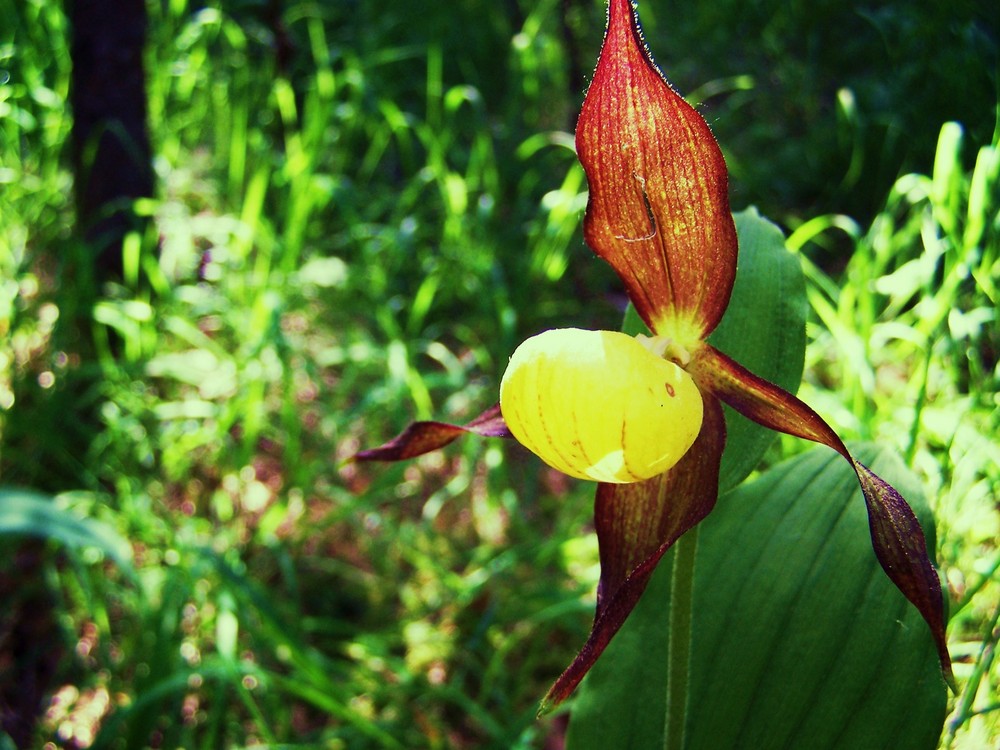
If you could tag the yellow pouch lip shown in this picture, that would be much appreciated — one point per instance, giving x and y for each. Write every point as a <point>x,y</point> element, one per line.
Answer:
<point>599,405</point>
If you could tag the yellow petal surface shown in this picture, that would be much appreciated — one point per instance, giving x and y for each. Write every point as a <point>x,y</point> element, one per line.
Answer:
<point>599,405</point>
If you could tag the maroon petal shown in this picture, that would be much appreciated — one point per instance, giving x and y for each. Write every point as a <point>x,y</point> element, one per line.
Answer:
<point>658,210</point>
<point>636,524</point>
<point>896,535</point>
<point>423,437</point>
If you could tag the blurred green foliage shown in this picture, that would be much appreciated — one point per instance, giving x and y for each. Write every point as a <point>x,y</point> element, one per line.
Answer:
<point>363,207</point>
<point>820,105</point>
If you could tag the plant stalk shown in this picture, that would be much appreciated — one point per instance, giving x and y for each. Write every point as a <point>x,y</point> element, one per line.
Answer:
<point>679,656</point>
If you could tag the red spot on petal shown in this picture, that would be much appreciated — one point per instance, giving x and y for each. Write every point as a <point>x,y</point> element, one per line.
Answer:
<point>670,390</point>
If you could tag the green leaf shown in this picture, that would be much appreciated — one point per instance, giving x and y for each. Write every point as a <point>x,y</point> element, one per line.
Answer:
<point>800,640</point>
<point>26,513</point>
<point>764,329</point>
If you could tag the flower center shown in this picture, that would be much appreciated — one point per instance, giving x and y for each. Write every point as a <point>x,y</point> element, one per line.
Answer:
<point>665,347</point>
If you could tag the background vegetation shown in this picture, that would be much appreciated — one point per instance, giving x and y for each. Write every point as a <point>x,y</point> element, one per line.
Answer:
<point>362,208</point>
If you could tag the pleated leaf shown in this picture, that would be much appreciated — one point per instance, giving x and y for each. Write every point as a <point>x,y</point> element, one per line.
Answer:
<point>764,329</point>
<point>800,640</point>
<point>896,536</point>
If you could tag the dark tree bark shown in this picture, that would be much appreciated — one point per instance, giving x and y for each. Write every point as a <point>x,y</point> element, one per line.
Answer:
<point>110,141</point>
<point>32,647</point>
<point>53,428</point>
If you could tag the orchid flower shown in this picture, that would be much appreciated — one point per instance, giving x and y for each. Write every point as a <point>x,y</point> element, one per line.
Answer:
<point>643,416</point>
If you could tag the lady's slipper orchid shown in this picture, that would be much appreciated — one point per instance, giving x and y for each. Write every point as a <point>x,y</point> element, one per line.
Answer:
<point>645,418</point>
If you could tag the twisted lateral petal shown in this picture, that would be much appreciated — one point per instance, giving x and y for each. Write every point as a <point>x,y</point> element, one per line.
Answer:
<point>423,437</point>
<point>599,405</point>
<point>636,524</point>
<point>658,210</point>
<point>897,538</point>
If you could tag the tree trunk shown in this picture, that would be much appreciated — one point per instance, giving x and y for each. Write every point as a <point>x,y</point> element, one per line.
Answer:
<point>110,142</point>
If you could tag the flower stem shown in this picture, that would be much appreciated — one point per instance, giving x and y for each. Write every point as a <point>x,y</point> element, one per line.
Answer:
<point>679,657</point>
